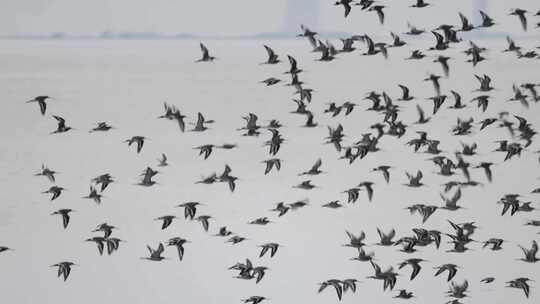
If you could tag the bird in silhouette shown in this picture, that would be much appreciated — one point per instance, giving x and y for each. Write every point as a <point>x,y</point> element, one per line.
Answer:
<point>333,205</point>
<point>139,140</point>
<point>273,247</point>
<point>458,290</point>
<point>530,254</point>
<point>521,283</point>
<point>223,232</point>
<point>496,244</point>
<point>451,268</point>
<point>41,100</point>
<point>172,113</point>
<point>100,243</point>
<point>105,228</point>
<point>147,175</point>
<point>62,127</point>
<point>178,242</point>
<point>415,180</point>
<point>55,191</point>
<point>64,269</point>
<point>487,21</point>
<point>166,221</point>
<point>451,203</point>
<point>94,195</point>
<point>315,169</point>
<point>190,208</point>
<point>443,60</point>
<point>204,219</point>
<point>65,216</point>
<point>272,163</point>
<point>205,54</point>
<point>405,96</point>
<point>45,171</point>
<point>346,5</point>
<point>155,254</point>
<point>487,280</point>
<point>404,294</point>
<point>104,180</point>
<point>420,4</point>
<point>272,56</point>
<point>379,10</point>
<point>4,249</point>
<point>415,264</point>
<point>520,13</point>
<point>334,283</point>
<point>254,299</point>
<point>101,127</point>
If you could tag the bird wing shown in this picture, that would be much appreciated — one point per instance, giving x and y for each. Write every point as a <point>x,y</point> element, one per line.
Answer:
<point>270,52</point>
<point>204,50</point>
<point>65,219</point>
<point>42,107</point>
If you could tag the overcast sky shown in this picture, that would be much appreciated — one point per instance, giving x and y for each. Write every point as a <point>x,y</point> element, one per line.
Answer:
<point>211,17</point>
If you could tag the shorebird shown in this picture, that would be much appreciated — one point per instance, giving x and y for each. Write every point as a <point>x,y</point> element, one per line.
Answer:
<point>101,127</point>
<point>64,269</point>
<point>451,268</point>
<point>204,219</point>
<point>166,221</point>
<point>105,228</point>
<point>415,180</point>
<point>162,162</point>
<point>520,13</point>
<point>223,232</point>
<point>190,208</point>
<point>172,113</point>
<point>139,140</point>
<point>94,195</point>
<point>487,21</point>
<point>415,264</point>
<point>355,241</point>
<point>521,283</point>
<point>205,54</point>
<point>62,127</point>
<point>272,163</point>
<point>530,254</point>
<point>200,125</point>
<point>315,169</point>
<point>4,249</point>
<point>420,4</point>
<point>333,205</point>
<point>178,242</point>
<point>458,290</point>
<point>386,238</point>
<point>155,254</point>
<point>100,243</point>
<point>273,247</point>
<point>147,175</point>
<point>254,299</point>
<point>487,280</point>
<point>272,56</point>
<point>55,191</point>
<point>45,171</point>
<point>41,100</point>
<point>65,216</point>
<point>346,5</point>
<point>334,283</point>
<point>379,10</point>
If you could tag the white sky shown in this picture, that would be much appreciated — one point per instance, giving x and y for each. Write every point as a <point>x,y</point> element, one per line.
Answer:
<point>233,17</point>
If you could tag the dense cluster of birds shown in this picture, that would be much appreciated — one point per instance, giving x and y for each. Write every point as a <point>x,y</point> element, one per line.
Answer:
<point>455,166</point>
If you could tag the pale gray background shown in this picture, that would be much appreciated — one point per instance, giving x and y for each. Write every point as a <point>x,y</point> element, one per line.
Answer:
<point>125,83</point>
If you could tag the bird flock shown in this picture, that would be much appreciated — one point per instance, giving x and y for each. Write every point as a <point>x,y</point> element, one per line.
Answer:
<point>462,167</point>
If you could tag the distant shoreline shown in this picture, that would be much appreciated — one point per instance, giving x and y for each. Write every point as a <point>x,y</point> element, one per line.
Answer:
<point>187,36</point>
